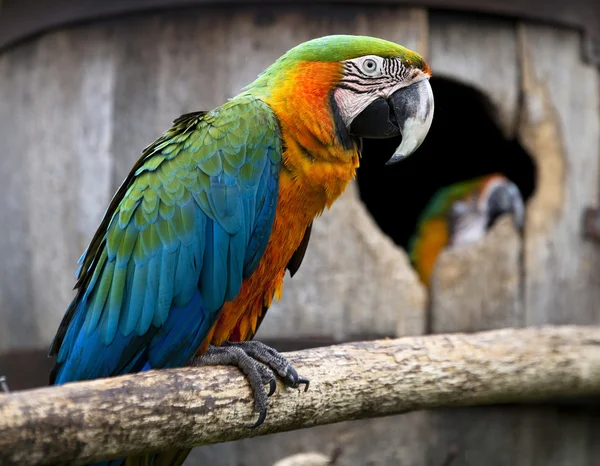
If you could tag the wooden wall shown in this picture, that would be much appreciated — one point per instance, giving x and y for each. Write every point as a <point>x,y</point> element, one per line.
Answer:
<point>548,276</point>
<point>77,106</point>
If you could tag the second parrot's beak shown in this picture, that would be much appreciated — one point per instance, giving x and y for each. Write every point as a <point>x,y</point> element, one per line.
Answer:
<point>407,112</point>
<point>506,198</point>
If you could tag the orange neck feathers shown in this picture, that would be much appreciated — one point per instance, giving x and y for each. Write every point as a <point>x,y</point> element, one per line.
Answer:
<point>314,156</point>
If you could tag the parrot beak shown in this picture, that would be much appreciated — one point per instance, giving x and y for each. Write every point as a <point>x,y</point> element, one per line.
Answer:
<point>506,198</point>
<point>407,112</point>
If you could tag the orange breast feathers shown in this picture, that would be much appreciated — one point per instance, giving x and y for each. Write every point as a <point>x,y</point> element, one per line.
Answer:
<point>316,170</point>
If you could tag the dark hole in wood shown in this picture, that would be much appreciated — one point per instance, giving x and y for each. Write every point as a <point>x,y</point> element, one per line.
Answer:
<point>464,142</point>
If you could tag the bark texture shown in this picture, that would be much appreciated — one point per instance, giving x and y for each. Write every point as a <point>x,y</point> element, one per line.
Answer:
<point>108,418</point>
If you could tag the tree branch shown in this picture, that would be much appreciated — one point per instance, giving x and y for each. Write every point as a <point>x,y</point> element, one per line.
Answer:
<point>158,410</point>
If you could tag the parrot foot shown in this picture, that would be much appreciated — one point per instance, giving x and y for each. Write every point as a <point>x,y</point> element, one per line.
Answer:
<point>3,384</point>
<point>258,362</point>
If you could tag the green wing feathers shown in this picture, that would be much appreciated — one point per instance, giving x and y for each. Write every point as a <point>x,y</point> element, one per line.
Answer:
<point>189,223</point>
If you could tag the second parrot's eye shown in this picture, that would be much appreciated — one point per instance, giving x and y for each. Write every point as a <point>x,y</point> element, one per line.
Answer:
<point>370,66</point>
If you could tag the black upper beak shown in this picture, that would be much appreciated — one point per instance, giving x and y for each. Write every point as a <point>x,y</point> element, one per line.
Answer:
<point>506,198</point>
<point>407,112</point>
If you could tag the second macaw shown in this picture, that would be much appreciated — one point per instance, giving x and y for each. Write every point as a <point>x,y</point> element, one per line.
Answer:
<point>196,241</point>
<point>462,213</point>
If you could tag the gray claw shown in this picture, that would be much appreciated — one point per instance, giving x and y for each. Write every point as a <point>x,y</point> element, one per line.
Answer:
<point>302,380</point>
<point>292,379</point>
<point>272,387</point>
<point>272,359</point>
<point>261,418</point>
<point>258,362</point>
<point>256,373</point>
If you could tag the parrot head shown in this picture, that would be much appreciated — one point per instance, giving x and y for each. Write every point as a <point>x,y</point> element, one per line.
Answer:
<point>373,88</point>
<point>461,214</point>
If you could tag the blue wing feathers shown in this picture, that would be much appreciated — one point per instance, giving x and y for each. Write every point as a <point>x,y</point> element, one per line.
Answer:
<point>71,334</point>
<point>184,276</point>
<point>99,297</point>
<point>115,301</point>
<point>266,204</point>
<point>174,344</point>
<point>237,248</point>
<point>172,249</point>
<point>151,295</point>
<point>134,301</point>
<point>213,278</point>
<point>166,286</point>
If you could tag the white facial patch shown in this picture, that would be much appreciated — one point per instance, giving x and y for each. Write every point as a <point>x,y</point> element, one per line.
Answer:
<point>365,79</point>
<point>468,223</point>
<point>469,231</point>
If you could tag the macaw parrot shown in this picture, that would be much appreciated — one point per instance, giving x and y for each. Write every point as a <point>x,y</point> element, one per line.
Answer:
<point>195,243</point>
<point>460,214</point>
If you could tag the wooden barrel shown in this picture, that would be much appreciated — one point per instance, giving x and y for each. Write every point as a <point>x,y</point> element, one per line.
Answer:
<point>78,104</point>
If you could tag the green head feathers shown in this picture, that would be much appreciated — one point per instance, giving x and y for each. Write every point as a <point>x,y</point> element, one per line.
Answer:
<point>337,48</point>
<point>346,47</point>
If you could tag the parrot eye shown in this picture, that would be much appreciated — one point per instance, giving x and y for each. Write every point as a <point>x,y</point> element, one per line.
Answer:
<point>370,66</point>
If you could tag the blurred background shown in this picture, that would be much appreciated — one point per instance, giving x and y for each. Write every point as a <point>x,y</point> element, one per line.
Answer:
<point>86,85</point>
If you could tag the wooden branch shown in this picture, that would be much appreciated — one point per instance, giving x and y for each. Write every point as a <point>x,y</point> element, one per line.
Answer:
<point>158,410</point>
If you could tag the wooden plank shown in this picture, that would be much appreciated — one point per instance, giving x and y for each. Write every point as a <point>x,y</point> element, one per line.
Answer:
<point>291,27</point>
<point>559,436</point>
<point>16,289</point>
<point>480,436</point>
<point>68,164</point>
<point>388,441</point>
<point>53,156</point>
<point>479,287</point>
<point>480,52</point>
<point>24,18</point>
<point>195,64</point>
<point>58,175</point>
<point>134,118</point>
<point>560,127</point>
